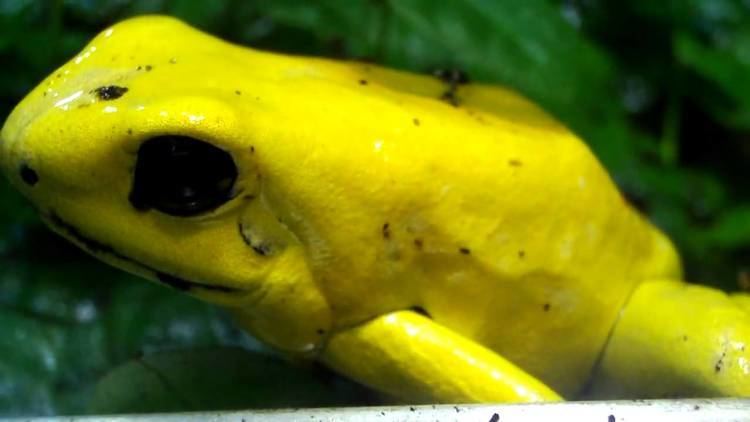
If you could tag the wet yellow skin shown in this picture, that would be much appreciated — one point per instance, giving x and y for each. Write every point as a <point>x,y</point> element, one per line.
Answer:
<point>379,192</point>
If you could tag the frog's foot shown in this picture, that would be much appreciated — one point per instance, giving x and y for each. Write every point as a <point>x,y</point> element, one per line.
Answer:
<point>410,356</point>
<point>677,340</point>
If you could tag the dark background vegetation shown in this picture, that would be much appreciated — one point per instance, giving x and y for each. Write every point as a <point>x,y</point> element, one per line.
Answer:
<point>660,91</point>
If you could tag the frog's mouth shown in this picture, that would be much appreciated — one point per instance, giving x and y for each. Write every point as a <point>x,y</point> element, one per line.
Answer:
<point>108,253</point>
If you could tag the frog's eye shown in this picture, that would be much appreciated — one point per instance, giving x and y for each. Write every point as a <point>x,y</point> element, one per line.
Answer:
<point>181,176</point>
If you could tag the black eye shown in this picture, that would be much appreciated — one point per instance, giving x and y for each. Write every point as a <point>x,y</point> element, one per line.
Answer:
<point>182,176</point>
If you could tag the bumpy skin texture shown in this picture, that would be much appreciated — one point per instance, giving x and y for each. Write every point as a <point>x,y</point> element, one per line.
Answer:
<point>374,193</point>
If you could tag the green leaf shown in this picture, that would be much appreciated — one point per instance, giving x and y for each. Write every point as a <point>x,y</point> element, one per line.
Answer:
<point>727,68</point>
<point>218,379</point>
<point>732,230</point>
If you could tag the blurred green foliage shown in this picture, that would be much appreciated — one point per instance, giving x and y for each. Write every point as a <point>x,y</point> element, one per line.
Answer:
<point>659,90</point>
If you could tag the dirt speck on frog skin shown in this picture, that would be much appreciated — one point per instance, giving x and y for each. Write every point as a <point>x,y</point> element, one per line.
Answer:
<point>109,92</point>
<point>386,230</point>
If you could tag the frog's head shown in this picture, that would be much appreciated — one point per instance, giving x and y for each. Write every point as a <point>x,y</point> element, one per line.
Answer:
<point>136,155</point>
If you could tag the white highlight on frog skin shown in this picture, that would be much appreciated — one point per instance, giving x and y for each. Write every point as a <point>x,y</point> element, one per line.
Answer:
<point>581,182</point>
<point>108,32</point>
<point>193,118</point>
<point>744,364</point>
<point>84,56</point>
<point>378,145</point>
<point>109,109</point>
<point>65,101</point>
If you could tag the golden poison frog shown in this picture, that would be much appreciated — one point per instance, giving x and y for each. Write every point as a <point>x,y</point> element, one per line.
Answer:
<point>433,239</point>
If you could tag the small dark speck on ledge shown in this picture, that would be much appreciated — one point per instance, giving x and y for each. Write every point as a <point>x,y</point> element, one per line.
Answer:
<point>611,418</point>
<point>495,417</point>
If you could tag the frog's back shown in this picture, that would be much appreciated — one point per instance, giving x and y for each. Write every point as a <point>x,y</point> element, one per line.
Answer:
<point>471,203</point>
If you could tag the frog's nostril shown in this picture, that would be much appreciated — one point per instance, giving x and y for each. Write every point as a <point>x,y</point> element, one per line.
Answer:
<point>28,175</point>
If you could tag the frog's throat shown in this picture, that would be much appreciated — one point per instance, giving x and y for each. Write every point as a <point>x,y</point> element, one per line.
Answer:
<point>109,254</point>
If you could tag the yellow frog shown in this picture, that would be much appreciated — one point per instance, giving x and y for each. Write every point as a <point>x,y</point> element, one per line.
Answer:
<point>433,239</point>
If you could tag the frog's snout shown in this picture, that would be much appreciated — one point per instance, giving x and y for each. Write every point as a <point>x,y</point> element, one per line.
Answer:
<point>15,167</point>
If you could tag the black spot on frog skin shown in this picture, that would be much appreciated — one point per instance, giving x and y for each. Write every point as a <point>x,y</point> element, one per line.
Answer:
<point>415,121</point>
<point>454,78</point>
<point>149,68</point>
<point>515,163</point>
<point>237,92</point>
<point>450,97</point>
<point>363,81</point>
<point>546,307</point>
<point>418,243</point>
<point>720,364</point>
<point>522,254</point>
<point>28,175</point>
<point>464,250</point>
<point>386,230</point>
<point>110,92</point>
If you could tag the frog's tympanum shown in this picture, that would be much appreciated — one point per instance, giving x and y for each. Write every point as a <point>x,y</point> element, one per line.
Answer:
<point>431,238</point>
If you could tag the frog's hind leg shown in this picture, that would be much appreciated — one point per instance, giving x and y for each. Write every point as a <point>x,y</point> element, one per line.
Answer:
<point>677,340</point>
<point>412,357</point>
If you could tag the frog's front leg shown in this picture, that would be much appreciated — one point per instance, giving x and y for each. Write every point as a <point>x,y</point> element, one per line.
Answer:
<point>677,340</point>
<point>412,357</point>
